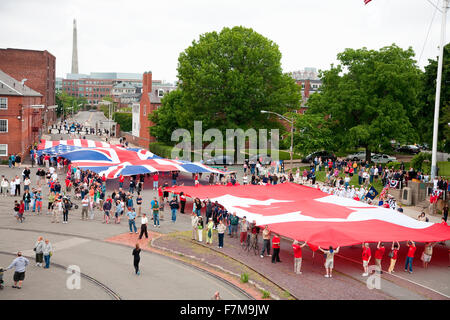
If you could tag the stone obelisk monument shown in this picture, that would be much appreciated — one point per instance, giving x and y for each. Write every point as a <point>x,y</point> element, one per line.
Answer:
<point>74,49</point>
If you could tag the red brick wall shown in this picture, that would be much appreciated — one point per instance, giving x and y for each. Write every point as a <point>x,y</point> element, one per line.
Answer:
<point>20,137</point>
<point>36,66</point>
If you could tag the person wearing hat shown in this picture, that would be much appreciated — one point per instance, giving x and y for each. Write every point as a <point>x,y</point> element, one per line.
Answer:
<point>174,205</point>
<point>20,264</point>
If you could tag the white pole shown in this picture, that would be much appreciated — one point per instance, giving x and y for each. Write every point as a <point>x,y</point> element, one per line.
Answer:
<point>438,92</point>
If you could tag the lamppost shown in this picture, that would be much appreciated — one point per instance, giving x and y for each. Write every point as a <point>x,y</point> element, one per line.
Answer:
<point>291,121</point>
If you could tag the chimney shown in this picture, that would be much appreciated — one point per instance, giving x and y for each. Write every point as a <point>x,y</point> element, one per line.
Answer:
<point>147,82</point>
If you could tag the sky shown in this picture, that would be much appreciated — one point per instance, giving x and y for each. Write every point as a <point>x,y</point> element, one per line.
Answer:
<point>137,36</point>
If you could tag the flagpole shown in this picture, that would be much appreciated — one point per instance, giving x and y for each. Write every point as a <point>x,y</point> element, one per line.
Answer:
<point>438,92</point>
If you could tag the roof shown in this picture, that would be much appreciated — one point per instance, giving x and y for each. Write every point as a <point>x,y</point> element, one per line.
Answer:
<point>154,97</point>
<point>12,87</point>
<point>124,85</point>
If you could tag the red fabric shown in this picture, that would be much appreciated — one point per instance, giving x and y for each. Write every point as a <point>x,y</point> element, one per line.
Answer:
<point>367,1</point>
<point>155,177</point>
<point>380,253</point>
<point>21,208</point>
<point>160,192</point>
<point>297,251</point>
<point>411,251</point>
<point>121,178</point>
<point>366,254</point>
<point>274,240</point>
<point>308,214</point>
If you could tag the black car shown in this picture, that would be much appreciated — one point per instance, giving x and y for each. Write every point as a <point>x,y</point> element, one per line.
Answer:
<point>323,154</point>
<point>408,149</point>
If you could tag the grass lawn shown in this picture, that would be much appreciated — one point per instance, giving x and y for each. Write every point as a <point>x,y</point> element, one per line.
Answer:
<point>444,168</point>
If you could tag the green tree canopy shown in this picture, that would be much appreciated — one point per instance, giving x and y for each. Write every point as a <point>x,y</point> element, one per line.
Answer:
<point>225,80</point>
<point>66,102</point>
<point>425,116</point>
<point>365,101</point>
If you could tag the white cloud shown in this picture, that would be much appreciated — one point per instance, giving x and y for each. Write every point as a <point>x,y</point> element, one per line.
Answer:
<point>136,36</point>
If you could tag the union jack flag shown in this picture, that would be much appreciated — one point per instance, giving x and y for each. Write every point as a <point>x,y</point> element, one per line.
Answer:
<point>114,160</point>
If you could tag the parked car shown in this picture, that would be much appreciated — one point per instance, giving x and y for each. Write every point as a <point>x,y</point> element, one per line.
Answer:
<point>264,159</point>
<point>360,155</point>
<point>383,158</point>
<point>411,149</point>
<point>220,160</point>
<point>323,154</point>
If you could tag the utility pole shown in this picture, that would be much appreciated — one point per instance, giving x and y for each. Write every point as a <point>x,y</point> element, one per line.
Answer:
<point>438,91</point>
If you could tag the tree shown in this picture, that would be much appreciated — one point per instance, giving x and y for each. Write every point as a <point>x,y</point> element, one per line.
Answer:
<point>425,116</point>
<point>66,102</point>
<point>166,116</point>
<point>227,78</point>
<point>367,100</point>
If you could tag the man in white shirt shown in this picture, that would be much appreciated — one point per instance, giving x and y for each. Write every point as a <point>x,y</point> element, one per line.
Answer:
<point>144,222</point>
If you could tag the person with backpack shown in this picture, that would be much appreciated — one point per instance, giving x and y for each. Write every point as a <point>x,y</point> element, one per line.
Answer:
<point>174,207</point>
<point>329,260</point>
<point>155,209</point>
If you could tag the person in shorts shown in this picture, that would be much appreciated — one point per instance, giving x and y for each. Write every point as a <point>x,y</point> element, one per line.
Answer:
<point>427,253</point>
<point>20,264</point>
<point>329,260</point>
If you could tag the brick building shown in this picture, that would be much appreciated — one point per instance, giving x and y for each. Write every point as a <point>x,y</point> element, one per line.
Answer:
<point>310,83</point>
<point>38,67</point>
<point>21,116</point>
<point>152,93</point>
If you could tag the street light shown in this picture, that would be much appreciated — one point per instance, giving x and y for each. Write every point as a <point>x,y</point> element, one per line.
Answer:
<point>291,121</point>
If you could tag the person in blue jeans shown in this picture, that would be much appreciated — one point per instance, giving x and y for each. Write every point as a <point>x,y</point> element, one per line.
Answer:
<point>155,209</point>
<point>47,250</point>
<point>132,220</point>
<point>410,256</point>
<point>174,205</point>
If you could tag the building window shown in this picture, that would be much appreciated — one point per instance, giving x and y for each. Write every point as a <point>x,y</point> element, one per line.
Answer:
<point>3,103</point>
<point>3,150</point>
<point>3,125</point>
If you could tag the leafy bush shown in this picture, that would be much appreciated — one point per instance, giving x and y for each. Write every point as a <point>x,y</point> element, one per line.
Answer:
<point>160,149</point>
<point>418,161</point>
<point>244,277</point>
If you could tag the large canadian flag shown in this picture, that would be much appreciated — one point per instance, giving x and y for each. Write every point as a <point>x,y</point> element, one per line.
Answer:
<point>308,214</point>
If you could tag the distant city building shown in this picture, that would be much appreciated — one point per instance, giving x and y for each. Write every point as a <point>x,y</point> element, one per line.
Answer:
<point>58,84</point>
<point>97,85</point>
<point>38,68</point>
<point>310,83</point>
<point>21,116</point>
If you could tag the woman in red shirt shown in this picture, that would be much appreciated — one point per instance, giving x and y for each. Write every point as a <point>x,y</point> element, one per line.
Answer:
<point>21,211</point>
<point>276,249</point>
<point>393,255</point>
